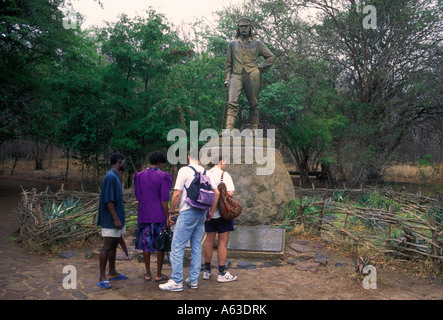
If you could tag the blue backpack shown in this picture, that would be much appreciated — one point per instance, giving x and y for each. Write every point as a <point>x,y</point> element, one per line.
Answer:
<point>199,194</point>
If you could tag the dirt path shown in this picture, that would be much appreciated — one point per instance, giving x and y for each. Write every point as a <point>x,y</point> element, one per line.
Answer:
<point>25,276</point>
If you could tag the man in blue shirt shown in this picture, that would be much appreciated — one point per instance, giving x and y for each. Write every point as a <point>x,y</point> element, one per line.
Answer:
<point>111,218</point>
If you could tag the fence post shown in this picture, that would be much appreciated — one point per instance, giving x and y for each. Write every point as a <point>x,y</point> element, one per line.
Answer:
<point>435,242</point>
<point>346,219</point>
<point>300,211</point>
<point>320,215</point>
<point>346,216</point>
<point>388,229</point>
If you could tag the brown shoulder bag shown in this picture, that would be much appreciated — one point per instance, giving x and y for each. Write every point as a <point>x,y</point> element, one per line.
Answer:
<point>228,207</point>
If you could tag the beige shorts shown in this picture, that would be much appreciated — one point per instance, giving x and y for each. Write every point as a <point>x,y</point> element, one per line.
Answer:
<point>113,233</point>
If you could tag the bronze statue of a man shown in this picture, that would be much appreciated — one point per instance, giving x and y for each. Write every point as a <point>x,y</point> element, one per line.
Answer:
<point>243,72</point>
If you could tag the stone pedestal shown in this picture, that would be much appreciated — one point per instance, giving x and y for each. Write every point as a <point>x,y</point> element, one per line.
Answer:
<point>261,242</point>
<point>262,183</point>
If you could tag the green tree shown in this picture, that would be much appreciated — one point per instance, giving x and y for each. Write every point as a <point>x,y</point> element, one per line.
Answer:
<point>140,54</point>
<point>304,112</point>
<point>33,43</point>
<point>196,92</point>
<point>81,118</point>
<point>381,70</point>
<point>299,98</point>
<point>379,73</point>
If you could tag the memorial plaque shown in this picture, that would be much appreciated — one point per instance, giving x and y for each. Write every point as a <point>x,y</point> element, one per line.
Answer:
<point>257,238</point>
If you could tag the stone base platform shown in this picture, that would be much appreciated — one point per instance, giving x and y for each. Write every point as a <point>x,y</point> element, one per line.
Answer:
<point>255,242</point>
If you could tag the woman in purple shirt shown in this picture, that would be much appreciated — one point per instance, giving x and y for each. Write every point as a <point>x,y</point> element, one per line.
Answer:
<point>152,190</point>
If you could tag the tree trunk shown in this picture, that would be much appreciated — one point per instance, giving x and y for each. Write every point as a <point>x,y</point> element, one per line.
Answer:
<point>15,162</point>
<point>304,172</point>
<point>67,167</point>
<point>38,164</point>
<point>129,181</point>
<point>301,157</point>
<point>51,150</point>
<point>38,156</point>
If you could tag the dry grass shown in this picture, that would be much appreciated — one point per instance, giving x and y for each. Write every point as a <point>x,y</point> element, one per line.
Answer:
<point>412,173</point>
<point>54,175</point>
<point>404,173</point>
<point>24,169</point>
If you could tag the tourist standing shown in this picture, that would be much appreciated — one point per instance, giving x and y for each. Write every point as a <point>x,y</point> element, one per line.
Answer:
<point>152,187</point>
<point>218,225</point>
<point>111,218</point>
<point>189,227</point>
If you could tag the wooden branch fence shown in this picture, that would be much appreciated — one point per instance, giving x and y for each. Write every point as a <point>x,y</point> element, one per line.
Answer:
<point>49,220</point>
<point>39,229</point>
<point>411,231</point>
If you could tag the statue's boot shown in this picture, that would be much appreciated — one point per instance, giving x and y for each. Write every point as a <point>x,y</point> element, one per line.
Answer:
<point>230,122</point>
<point>254,119</point>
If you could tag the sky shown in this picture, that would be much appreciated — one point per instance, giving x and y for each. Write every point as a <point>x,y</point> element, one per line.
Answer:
<point>176,11</point>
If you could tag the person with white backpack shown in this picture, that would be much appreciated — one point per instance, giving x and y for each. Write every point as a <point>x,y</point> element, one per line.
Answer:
<point>190,222</point>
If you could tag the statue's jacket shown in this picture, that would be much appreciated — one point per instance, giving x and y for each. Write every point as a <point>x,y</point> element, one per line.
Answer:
<point>244,55</point>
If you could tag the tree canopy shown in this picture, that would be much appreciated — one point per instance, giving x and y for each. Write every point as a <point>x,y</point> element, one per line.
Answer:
<point>342,94</point>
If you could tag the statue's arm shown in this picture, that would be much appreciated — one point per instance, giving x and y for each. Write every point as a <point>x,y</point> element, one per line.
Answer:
<point>228,67</point>
<point>268,55</point>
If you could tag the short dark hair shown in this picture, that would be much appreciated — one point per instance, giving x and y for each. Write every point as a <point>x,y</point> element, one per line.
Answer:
<point>214,160</point>
<point>157,157</point>
<point>194,155</point>
<point>115,157</point>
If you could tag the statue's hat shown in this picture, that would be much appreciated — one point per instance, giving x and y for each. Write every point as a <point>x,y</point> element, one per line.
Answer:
<point>244,20</point>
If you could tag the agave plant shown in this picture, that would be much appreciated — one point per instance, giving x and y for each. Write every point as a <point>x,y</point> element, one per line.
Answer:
<point>437,213</point>
<point>364,198</point>
<point>340,195</point>
<point>377,201</point>
<point>54,211</point>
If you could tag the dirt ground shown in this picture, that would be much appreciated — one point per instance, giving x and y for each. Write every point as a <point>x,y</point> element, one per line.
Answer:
<point>25,276</point>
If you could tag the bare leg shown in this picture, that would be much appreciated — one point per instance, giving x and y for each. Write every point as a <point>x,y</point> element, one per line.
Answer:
<point>160,258</point>
<point>209,246</point>
<point>147,259</point>
<point>222,250</point>
<point>108,252</point>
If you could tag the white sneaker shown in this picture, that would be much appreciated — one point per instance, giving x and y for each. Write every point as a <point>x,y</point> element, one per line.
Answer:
<point>207,274</point>
<point>192,285</point>
<point>227,277</point>
<point>172,286</point>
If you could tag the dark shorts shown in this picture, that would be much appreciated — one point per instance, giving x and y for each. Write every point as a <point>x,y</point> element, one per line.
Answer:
<point>219,225</point>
